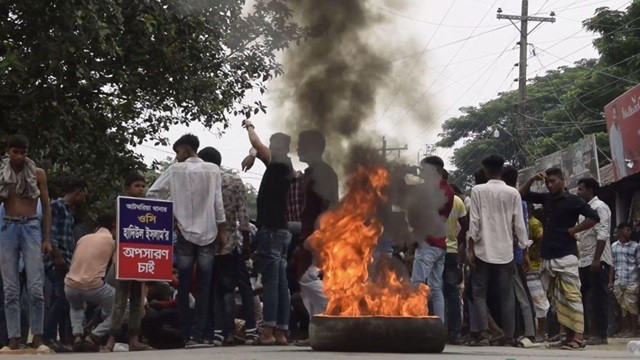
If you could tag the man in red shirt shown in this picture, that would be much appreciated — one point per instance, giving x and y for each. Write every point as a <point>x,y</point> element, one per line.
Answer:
<point>428,264</point>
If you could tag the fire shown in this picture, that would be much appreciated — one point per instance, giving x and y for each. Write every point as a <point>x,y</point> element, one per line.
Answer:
<point>345,242</point>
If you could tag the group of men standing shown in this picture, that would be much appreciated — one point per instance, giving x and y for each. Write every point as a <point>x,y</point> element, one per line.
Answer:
<point>211,222</point>
<point>565,256</point>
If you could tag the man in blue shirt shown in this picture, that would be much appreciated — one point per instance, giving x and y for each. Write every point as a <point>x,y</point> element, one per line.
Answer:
<point>57,266</point>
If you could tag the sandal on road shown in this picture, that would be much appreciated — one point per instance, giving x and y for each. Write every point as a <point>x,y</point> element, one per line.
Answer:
<point>557,345</point>
<point>525,342</point>
<point>302,343</point>
<point>573,345</point>
<point>106,349</point>
<point>141,347</point>
<point>480,342</point>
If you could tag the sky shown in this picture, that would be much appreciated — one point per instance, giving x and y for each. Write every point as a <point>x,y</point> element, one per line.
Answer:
<point>455,53</point>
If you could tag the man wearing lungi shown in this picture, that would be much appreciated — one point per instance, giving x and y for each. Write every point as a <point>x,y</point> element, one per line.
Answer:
<point>559,252</point>
<point>626,261</point>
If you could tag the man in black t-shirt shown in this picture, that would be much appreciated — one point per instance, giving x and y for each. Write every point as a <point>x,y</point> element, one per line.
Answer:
<point>321,193</point>
<point>273,238</point>
<point>559,270</point>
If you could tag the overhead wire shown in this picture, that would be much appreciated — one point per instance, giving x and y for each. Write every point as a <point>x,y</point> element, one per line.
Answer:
<point>548,79</point>
<point>463,95</point>
<point>407,17</point>
<point>571,118</point>
<point>401,84</point>
<point>450,61</point>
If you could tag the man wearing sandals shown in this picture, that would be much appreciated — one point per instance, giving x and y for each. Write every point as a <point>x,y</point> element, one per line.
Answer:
<point>129,292</point>
<point>84,282</point>
<point>495,218</point>
<point>559,270</point>
<point>195,187</point>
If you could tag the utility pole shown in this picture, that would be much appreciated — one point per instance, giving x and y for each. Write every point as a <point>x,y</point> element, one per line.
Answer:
<point>386,150</point>
<point>522,65</point>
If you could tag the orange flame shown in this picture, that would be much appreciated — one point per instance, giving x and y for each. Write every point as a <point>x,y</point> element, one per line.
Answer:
<point>345,242</point>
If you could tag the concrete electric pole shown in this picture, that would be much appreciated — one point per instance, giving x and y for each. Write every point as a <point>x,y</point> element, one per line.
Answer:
<point>522,65</point>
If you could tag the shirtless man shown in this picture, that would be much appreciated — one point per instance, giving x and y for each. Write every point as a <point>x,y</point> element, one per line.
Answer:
<point>21,184</point>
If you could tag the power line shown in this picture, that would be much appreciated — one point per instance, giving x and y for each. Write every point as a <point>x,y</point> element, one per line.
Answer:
<point>416,63</point>
<point>574,121</point>
<point>458,82</point>
<point>440,24</point>
<point>545,135</point>
<point>594,69</point>
<point>463,95</point>
<point>449,63</point>
<point>410,56</point>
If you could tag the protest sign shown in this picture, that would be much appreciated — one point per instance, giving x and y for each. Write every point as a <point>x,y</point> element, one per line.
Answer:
<point>145,239</point>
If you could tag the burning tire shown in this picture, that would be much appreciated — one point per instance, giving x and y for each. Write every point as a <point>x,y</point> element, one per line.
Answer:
<point>377,334</point>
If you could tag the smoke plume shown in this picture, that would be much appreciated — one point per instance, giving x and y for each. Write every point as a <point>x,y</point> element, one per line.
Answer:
<point>336,82</point>
<point>333,81</point>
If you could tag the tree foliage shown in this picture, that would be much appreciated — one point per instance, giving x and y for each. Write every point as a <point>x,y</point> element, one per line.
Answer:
<point>86,80</point>
<point>562,106</point>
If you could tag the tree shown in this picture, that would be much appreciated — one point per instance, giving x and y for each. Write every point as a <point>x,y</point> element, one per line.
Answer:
<point>562,107</point>
<point>88,80</point>
<point>619,41</point>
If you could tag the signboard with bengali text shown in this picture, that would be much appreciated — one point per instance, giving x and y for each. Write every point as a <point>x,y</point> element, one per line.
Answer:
<point>577,161</point>
<point>145,239</point>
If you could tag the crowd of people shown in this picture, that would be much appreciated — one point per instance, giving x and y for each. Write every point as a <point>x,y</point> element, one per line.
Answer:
<point>515,267</point>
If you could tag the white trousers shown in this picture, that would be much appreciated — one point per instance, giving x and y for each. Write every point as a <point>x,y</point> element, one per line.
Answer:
<point>311,292</point>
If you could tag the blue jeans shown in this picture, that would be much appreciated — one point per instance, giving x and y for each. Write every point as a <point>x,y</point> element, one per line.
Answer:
<point>272,246</point>
<point>188,254</point>
<point>4,337</point>
<point>22,237</point>
<point>57,316</point>
<point>428,267</point>
<point>103,297</point>
<point>452,278</point>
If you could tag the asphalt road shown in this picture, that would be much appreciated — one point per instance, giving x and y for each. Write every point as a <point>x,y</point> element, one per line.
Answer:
<point>613,351</point>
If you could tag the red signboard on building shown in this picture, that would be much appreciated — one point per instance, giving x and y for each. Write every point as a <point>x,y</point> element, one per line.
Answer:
<point>623,124</point>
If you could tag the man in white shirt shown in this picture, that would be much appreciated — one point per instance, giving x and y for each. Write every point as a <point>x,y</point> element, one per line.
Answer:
<point>495,217</point>
<point>195,187</point>
<point>595,262</point>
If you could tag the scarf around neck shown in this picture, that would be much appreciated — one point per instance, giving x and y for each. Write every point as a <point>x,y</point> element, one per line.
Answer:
<point>25,181</point>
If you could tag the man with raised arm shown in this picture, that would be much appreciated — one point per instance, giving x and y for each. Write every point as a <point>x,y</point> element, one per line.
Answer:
<point>273,237</point>
<point>559,251</point>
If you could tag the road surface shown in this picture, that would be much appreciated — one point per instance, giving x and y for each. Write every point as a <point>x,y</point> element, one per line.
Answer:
<point>616,350</point>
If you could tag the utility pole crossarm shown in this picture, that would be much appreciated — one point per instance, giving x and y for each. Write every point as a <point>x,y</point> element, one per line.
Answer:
<point>527,18</point>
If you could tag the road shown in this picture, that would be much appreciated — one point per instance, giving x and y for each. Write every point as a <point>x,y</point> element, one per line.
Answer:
<point>613,351</point>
